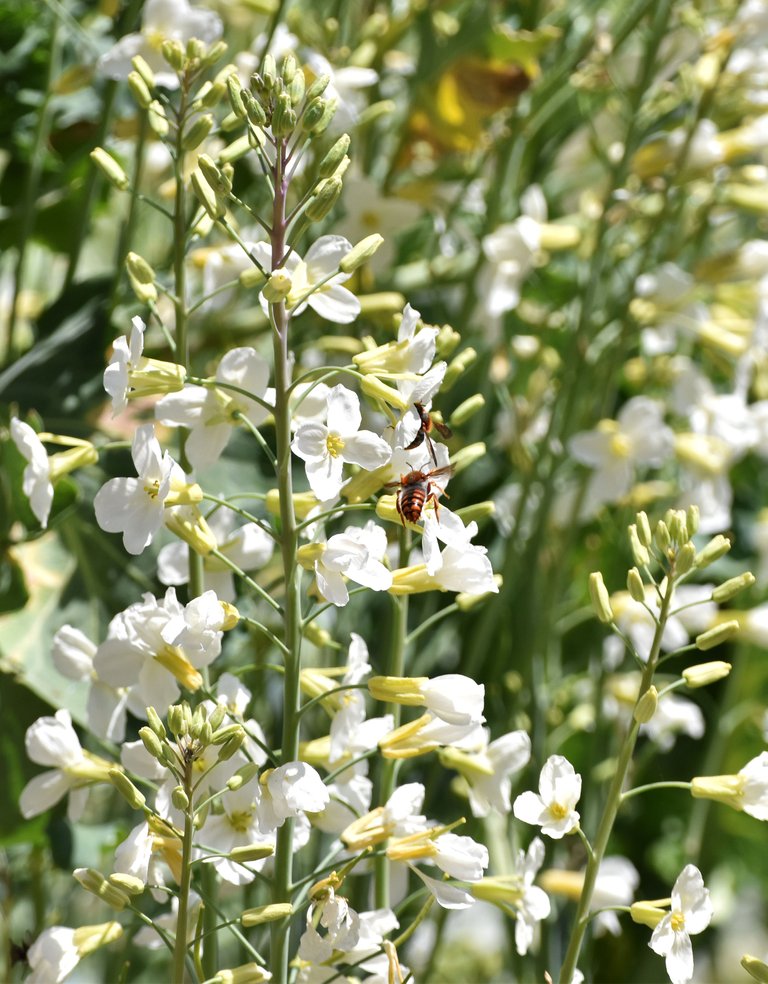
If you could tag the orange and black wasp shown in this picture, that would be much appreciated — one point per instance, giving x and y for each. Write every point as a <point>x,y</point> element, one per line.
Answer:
<point>426,424</point>
<point>416,489</point>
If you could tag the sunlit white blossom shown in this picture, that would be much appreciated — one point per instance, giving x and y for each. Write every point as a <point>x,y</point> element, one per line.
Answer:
<point>690,913</point>
<point>553,809</point>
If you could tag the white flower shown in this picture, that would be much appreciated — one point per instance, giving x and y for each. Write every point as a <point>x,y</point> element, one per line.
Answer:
<point>53,741</point>
<point>248,546</point>
<point>135,506</point>
<point>291,790</point>
<point>466,569</point>
<point>446,895</point>
<point>460,857</point>
<point>37,484</point>
<point>531,902</point>
<point>511,252</point>
<point>342,925</point>
<point>747,790</point>
<point>368,210</point>
<point>125,357</point>
<point>455,699</point>
<point>154,646</point>
<point>614,448</point>
<point>161,20</point>
<point>690,914</point>
<point>353,554</point>
<point>488,769</point>
<point>58,950</point>
<point>554,808</point>
<point>211,414</point>
<point>325,447</point>
<point>316,280</point>
<point>72,653</point>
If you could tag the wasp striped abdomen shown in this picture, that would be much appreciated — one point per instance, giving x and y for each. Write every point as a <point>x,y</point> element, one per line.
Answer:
<point>415,491</point>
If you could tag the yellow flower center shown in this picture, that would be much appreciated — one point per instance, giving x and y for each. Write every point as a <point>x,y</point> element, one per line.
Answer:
<point>678,921</point>
<point>558,811</point>
<point>335,445</point>
<point>620,445</point>
<point>371,220</point>
<point>240,820</point>
<point>152,489</point>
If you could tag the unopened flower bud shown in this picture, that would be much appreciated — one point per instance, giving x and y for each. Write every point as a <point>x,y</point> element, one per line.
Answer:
<point>730,588</point>
<point>154,722</point>
<point>692,520</point>
<point>640,553</point>
<point>173,52</point>
<point>252,277</point>
<point>251,852</point>
<point>253,108</point>
<point>177,720</point>
<point>458,367</point>
<point>361,253</point>
<point>717,547</point>
<point>283,116</point>
<point>127,883</point>
<point>756,968</point>
<point>269,72</point>
<point>477,512</point>
<point>266,913</point>
<point>466,410</point>
<point>133,796</point>
<point>289,68</point>
<point>94,882</point>
<point>235,93</point>
<point>644,529</point>
<point>318,87</point>
<point>216,51</point>
<point>334,157</point>
<point>467,456</point>
<point>318,115</point>
<point>662,537</point>
<point>278,286</point>
<point>139,90</point>
<point>206,195</point>
<point>376,111</point>
<point>635,585</point>
<point>179,798</point>
<point>142,278</point>
<point>676,524</point>
<point>717,635</point>
<point>109,167</point>
<point>646,706</point>
<point>195,49</point>
<point>317,635</point>
<point>243,775</point>
<point>157,119</point>
<point>220,180</point>
<point>601,601</point>
<point>151,742</point>
<point>141,66</point>
<point>206,733</point>
<point>231,746</point>
<point>685,558</point>
<point>327,195</point>
<point>702,674</point>
<point>646,914</point>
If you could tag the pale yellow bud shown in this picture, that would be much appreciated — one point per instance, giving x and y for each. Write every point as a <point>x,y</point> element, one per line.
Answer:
<point>266,913</point>
<point>110,168</point>
<point>717,635</point>
<point>756,968</point>
<point>702,674</point>
<point>730,588</point>
<point>601,601</point>
<point>646,705</point>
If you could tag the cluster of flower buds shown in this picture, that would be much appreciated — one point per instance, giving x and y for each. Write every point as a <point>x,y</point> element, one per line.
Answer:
<point>193,732</point>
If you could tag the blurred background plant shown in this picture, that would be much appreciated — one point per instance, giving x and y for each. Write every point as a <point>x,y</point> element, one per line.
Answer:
<point>580,191</point>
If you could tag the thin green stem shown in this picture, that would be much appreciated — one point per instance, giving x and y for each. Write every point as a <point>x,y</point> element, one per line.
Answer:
<point>180,946</point>
<point>654,785</point>
<point>613,799</point>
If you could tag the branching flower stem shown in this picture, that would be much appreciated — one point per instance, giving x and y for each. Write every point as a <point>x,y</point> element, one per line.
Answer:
<point>614,798</point>
<point>292,617</point>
